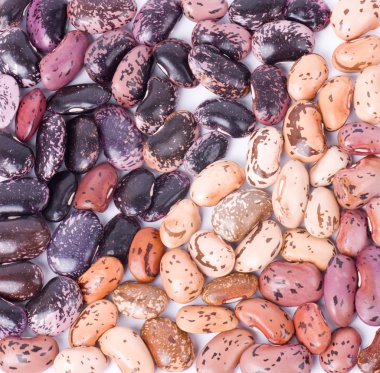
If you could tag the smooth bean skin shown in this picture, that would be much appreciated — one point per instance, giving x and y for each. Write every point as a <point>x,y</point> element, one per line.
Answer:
<point>62,188</point>
<point>269,107</point>
<point>219,73</point>
<point>204,10</point>
<point>340,285</point>
<point>10,97</point>
<point>155,21</point>
<point>281,41</point>
<point>357,185</point>
<point>291,284</point>
<point>11,13</point>
<point>373,212</point>
<point>369,357</point>
<point>342,354</point>
<point>287,359</point>
<point>13,319</point>
<point>367,298</point>
<point>46,23</point>
<point>230,38</point>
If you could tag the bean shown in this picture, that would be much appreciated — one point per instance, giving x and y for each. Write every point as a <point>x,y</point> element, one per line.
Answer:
<point>373,212</point>
<point>11,13</point>
<point>204,10</point>
<point>14,319</point>
<point>369,359</point>
<point>10,97</point>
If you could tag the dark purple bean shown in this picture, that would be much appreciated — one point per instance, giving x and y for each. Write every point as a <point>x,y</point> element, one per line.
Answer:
<point>172,57</point>
<point>22,238</point>
<point>16,158</point>
<point>282,41</point>
<point>11,12</point>
<point>74,243</point>
<point>168,189</point>
<point>165,150</point>
<point>106,52</point>
<point>56,308</point>
<point>78,99</point>
<point>269,105</point>
<point>23,196</point>
<point>18,58</point>
<point>83,144</point>
<point>122,142</point>
<point>98,16</point>
<point>226,116</point>
<point>252,14</point>
<point>159,102</point>
<point>155,21</point>
<point>10,98</point>
<point>20,281</point>
<point>118,236</point>
<point>62,188</point>
<point>12,319</point>
<point>46,23</point>
<point>209,148</point>
<point>315,14</point>
<point>231,39</point>
<point>219,73</point>
<point>50,146</point>
<point>134,192</point>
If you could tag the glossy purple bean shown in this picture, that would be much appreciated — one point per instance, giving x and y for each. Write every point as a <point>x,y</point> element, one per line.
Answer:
<point>12,319</point>
<point>10,98</point>
<point>11,13</point>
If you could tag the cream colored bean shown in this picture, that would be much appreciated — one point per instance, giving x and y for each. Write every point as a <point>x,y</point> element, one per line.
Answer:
<point>290,194</point>
<point>322,173</point>
<point>301,246</point>
<point>213,256</point>
<point>215,182</point>
<point>264,152</point>
<point>127,349</point>
<point>306,77</point>
<point>260,247</point>
<point>322,213</point>
<point>335,101</point>
<point>367,95</point>
<point>181,278</point>
<point>206,319</point>
<point>182,221</point>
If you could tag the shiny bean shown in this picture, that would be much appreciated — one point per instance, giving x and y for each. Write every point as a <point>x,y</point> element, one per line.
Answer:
<point>10,97</point>
<point>13,319</point>
<point>373,212</point>
<point>204,10</point>
<point>11,13</point>
<point>369,357</point>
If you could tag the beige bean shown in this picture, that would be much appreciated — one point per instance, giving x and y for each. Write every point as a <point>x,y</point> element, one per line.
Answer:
<point>301,246</point>
<point>263,161</point>
<point>306,77</point>
<point>260,247</point>
<point>290,194</point>
<point>335,101</point>
<point>322,173</point>
<point>206,319</point>
<point>215,182</point>
<point>182,221</point>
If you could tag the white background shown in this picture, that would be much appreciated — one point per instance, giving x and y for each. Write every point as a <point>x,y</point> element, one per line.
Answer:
<point>326,42</point>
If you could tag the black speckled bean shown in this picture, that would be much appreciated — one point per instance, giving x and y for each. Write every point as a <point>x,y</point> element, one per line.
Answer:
<point>50,146</point>
<point>122,142</point>
<point>219,73</point>
<point>22,238</point>
<point>134,192</point>
<point>209,148</point>
<point>18,58</point>
<point>11,12</point>
<point>166,149</point>
<point>269,105</point>
<point>159,102</point>
<point>78,99</point>
<point>168,189</point>
<point>315,14</point>
<point>74,243</point>
<point>252,14</point>
<point>62,188</point>
<point>105,53</point>
<point>172,57</point>
<point>12,319</point>
<point>56,308</point>
<point>20,281</point>
<point>23,196</point>
<point>16,158</point>
<point>83,144</point>
<point>281,41</point>
<point>226,116</point>
<point>118,236</point>
<point>155,21</point>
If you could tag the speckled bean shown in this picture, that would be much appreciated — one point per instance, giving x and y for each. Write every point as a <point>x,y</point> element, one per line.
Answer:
<point>373,211</point>
<point>10,97</point>
<point>11,13</point>
<point>369,357</point>
<point>204,10</point>
<point>13,319</point>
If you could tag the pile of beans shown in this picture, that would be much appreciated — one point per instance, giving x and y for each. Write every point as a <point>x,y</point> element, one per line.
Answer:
<point>272,243</point>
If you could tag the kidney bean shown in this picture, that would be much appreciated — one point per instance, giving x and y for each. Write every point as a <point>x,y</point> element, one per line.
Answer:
<point>291,284</point>
<point>373,212</point>
<point>10,96</point>
<point>13,319</point>
<point>369,357</point>
<point>204,10</point>
<point>11,13</point>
